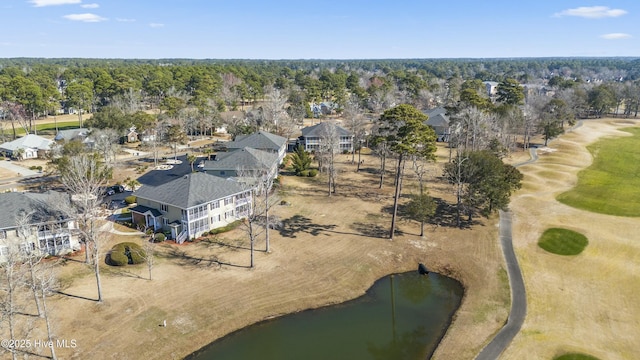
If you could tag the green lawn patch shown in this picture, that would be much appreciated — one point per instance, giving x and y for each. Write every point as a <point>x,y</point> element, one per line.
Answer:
<point>611,185</point>
<point>575,356</point>
<point>563,241</point>
<point>47,129</point>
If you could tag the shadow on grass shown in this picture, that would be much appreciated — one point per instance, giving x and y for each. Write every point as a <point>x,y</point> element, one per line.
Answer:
<point>185,259</point>
<point>296,224</point>
<point>75,296</point>
<point>445,215</point>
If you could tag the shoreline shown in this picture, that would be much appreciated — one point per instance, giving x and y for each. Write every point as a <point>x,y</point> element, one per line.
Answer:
<point>447,325</point>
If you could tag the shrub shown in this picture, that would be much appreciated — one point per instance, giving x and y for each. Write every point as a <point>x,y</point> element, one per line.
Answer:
<point>226,228</point>
<point>312,173</point>
<point>117,259</point>
<point>160,237</point>
<point>131,199</point>
<point>304,173</point>
<point>126,253</point>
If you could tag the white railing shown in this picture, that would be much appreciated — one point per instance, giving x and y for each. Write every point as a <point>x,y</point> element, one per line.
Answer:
<point>182,237</point>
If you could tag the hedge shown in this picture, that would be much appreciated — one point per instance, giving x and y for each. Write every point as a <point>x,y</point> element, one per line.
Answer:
<point>126,253</point>
<point>130,199</point>
<point>159,237</point>
<point>312,173</point>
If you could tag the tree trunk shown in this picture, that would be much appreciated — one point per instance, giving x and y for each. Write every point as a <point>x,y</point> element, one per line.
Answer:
<point>359,161</point>
<point>46,320</point>
<point>396,197</point>
<point>266,217</point>
<point>383,161</point>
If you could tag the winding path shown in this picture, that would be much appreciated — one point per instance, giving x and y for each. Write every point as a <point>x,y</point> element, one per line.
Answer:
<point>518,292</point>
<point>518,295</point>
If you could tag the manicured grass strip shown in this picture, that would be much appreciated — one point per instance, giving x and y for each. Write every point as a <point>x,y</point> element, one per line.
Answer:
<point>575,356</point>
<point>563,241</point>
<point>48,128</point>
<point>611,185</point>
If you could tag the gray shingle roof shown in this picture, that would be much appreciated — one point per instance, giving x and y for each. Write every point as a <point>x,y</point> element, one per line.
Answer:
<point>246,158</point>
<point>13,203</point>
<point>261,140</point>
<point>190,190</point>
<point>141,209</point>
<point>436,111</point>
<point>318,130</point>
<point>28,141</point>
<point>71,134</point>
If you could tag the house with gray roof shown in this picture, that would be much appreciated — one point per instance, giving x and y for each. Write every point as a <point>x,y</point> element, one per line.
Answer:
<point>312,136</point>
<point>439,122</point>
<point>48,231</point>
<point>79,134</point>
<point>29,146</point>
<point>233,163</point>
<point>260,140</point>
<point>191,205</point>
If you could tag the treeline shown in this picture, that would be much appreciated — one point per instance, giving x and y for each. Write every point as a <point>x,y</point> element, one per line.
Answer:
<point>196,93</point>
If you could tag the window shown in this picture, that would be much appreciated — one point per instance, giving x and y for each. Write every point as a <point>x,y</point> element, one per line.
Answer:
<point>165,221</point>
<point>3,234</point>
<point>222,172</point>
<point>164,207</point>
<point>228,201</point>
<point>215,205</point>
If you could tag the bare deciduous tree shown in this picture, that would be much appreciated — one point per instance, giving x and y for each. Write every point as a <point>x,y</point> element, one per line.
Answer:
<point>273,109</point>
<point>84,176</point>
<point>328,152</point>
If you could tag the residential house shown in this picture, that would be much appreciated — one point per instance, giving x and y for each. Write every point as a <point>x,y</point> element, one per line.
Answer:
<point>492,88</point>
<point>148,135</point>
<point>191,205</point>
<point>260,140</point>
<point>29,146</point>
<point>80,134</point>
<point>312,136</point>
<point>132,135</point>
<point>439,122</point>
<point>49,231</point>
<point>232,163</point>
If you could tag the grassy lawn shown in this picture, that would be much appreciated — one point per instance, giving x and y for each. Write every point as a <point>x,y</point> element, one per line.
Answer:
<point>611,185</point>
<point>575,356</point>
<point>563,241</point>
<point>47,129</point>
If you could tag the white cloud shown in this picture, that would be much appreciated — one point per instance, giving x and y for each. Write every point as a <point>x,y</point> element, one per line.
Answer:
<point>125,20</point>
<point>85,17</point>
<point>615,36</point>
<point>156,25</point>
<point>90,6</point>
<point>41,3</point>
<point>591,12</point>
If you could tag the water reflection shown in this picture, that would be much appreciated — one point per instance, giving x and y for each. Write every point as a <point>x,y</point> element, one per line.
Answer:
<point>400,317</point>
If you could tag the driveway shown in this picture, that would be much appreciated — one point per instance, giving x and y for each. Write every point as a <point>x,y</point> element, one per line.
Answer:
<point>22,171</point>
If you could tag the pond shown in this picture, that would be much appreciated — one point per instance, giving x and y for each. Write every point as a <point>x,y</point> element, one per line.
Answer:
<point>401,316</point>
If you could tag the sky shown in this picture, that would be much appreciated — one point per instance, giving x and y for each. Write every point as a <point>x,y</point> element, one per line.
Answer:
<point>329,29</point>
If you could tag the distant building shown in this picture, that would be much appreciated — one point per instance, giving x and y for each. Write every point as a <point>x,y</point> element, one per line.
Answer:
<point>29,146</point>
<point>439,122</point>
<point>260,140</point>
<point>312,136</point>
<point>231,164</point>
